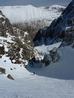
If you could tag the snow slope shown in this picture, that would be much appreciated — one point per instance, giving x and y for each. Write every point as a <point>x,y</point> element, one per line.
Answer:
<point>18,70</point>
<point>54,81</point>
<point>29,13</point>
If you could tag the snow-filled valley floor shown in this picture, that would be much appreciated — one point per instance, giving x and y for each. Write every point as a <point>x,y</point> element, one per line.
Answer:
<point>54,81</point>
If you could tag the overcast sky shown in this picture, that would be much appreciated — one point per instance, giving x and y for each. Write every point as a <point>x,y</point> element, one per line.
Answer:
<point>34,2</point>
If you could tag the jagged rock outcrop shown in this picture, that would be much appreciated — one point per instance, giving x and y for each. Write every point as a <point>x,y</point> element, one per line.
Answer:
<point>5,25</point>
<point>60,29</point>
<point>21,47</point>
<point>23,36</point>
<point>63,27</point>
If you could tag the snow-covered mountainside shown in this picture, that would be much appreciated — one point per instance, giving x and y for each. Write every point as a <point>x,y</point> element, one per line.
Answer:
<point>60,28</point>
<point>17,14</point>
<point>28,71</point>
<point>14,43</point>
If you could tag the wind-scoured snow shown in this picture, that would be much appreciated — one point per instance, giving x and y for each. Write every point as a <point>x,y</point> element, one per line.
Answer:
<point>23,14</point>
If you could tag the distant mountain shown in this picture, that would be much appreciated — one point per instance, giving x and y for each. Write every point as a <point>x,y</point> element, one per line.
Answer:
<point>31,13</point>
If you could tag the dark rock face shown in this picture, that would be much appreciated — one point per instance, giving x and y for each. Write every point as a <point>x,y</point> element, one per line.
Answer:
<point>41,37</point>
<point>61,28</point>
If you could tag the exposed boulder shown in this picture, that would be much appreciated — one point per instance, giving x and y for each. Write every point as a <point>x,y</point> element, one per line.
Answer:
<point>10,77</point>
<point>2,70</point>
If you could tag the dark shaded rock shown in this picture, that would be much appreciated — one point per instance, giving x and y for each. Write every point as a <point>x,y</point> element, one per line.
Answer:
<point>10,77</point>
<point>61,28</point>
<point>2,70</point>
<point>46,60</point>
<point>54,55</point>
<point>2,50</point>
